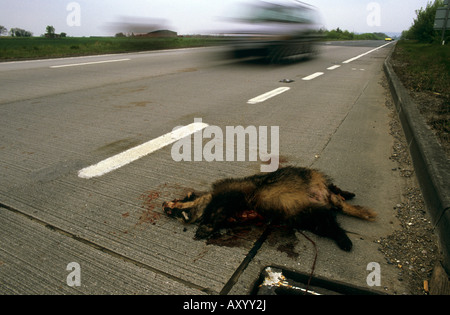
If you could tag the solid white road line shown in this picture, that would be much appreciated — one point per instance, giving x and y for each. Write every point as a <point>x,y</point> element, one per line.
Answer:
<point>88,63</point>
<point>133,154</point>
<point>266,96</point>
<point>362,55</point>
<point>312,76</point>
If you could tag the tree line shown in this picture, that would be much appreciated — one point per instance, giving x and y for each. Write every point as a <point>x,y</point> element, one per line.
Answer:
<point>18,32</point>
<point>15,32</point>
<point>422,29</point>
<point>339,34</point>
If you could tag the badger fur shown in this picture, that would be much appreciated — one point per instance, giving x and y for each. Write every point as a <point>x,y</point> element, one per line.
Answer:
<point>300,198</point>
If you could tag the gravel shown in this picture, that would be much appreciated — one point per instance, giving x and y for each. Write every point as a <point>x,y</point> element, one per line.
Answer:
<point>413,247</point>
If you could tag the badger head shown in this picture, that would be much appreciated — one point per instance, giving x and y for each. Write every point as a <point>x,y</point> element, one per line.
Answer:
<point>190,209</point>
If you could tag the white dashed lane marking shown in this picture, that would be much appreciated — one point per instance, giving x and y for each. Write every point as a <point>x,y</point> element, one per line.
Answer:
<point>268,95</point>
<point>133,154</point>
<point>313,76</point>
<point>333,67</point>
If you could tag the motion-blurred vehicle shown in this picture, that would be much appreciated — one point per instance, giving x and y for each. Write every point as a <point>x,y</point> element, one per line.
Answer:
<point>388,39</point>
<point>276,31</point>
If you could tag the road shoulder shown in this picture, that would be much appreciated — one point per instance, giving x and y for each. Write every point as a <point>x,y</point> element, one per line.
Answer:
<point>430,162</point>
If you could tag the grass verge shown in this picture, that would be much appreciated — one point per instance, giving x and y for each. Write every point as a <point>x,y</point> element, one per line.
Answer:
<point>424,69</point>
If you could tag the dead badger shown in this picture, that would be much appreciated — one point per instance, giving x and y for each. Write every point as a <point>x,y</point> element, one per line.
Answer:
<point>297,197</point>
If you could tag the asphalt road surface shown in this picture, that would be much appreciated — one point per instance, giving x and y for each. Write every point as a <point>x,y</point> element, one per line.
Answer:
<point>87,159</point>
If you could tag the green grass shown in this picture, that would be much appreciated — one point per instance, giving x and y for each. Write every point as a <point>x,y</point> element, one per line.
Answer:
<point>37,47</point>
<point>425,69</point>
<point>426,65</point>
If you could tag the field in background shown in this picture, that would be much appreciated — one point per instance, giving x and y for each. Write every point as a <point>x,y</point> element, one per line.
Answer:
<point>23,48</point>
<point>39,47</point>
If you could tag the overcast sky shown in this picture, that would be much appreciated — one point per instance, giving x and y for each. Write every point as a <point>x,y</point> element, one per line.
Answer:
<point>102,17</point>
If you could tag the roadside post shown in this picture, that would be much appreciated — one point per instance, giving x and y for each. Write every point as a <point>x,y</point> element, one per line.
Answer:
<point>441,21</point>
